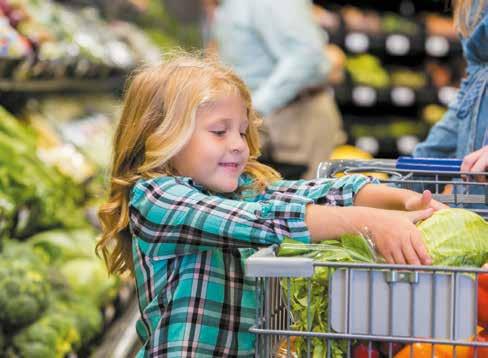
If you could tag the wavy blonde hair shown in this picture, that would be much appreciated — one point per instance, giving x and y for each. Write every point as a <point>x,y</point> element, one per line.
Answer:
<point>158,119</point>
<point>467,14</point>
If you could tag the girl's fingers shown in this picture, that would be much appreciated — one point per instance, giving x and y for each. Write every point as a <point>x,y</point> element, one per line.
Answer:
<point>416,216</point>
<point>419,202</point>
<point>409,253</point>
<point>425,199</point>
<point>398,257</point>
<point>388,258</point>
<point>420,249</point>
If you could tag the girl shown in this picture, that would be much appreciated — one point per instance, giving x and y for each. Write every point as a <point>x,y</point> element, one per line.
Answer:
<point>189,202</point>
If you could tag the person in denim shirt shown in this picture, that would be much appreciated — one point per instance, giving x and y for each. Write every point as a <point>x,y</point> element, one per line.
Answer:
<point>463,128</point>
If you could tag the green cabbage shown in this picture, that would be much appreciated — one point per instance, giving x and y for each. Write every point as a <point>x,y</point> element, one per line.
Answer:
<point>456,237</point>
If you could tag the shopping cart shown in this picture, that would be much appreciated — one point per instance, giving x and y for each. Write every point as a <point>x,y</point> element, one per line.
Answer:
<point>441,176</point>
<point>372,304</point>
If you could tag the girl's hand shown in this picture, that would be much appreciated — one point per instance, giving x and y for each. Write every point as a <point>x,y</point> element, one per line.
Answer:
<point>423,201</point>
<point>397,238</point>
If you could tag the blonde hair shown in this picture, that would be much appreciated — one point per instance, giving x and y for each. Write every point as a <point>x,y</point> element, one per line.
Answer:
<point>158,119</point>
<point>467,15</point>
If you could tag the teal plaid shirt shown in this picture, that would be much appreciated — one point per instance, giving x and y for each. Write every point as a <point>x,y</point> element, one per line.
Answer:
<point>189,248</point>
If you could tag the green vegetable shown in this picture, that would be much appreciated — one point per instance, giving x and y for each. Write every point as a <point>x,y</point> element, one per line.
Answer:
<point>23,294</point>
<point>88,278</point>
<point>52,336</point>
<point>367,70</point>
<point>42,197</point>
<point>350,248</point>
<point>62,245</point>
<point>87,318</point>
<point>456,237</point>
<point>23,285</point>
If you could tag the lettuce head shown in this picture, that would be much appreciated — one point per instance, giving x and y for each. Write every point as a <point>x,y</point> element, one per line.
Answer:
<point>456,237</point>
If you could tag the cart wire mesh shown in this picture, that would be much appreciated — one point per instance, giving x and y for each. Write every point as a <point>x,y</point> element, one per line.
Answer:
<point>454,188</point>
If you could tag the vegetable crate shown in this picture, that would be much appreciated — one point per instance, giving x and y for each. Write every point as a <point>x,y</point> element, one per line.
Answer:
<point>324,309</point>
<point>315,309</point>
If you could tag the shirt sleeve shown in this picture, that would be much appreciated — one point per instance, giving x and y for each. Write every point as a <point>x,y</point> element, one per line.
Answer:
<point>295,41</point>
<point>170,217</point>
<point>337,192</point>
<point>442,139</point>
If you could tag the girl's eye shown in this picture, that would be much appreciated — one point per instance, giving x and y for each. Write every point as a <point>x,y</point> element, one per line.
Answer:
<point>243,134</point>
<point>218,133</point>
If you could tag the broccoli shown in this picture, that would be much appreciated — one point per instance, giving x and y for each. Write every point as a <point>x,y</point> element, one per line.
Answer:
<point>52,336</point>
<point>86,317</point>
<point>23,294</point>
<point>23,285</point>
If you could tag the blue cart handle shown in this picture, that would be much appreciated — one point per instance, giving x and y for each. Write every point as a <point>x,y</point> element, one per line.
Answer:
<point>429,164</point>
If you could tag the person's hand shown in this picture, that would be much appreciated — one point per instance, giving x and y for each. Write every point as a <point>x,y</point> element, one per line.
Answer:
<point>397,238</point>
<point>423,201</point>
<point>476,162</point>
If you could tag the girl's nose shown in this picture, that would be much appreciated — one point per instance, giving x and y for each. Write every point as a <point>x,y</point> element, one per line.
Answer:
<point>238,143</point>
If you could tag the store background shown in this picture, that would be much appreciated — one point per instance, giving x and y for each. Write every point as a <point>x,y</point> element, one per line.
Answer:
<point>62,69</point>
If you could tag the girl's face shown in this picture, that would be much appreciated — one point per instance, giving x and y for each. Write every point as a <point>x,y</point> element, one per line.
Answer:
<point>217,152</point>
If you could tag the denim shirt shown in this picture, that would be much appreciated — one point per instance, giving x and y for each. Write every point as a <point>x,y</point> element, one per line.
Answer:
<point>275,47</point>
<point>463,129</point>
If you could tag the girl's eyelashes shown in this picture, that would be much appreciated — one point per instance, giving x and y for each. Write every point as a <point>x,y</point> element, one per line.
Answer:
<point>218,133</point>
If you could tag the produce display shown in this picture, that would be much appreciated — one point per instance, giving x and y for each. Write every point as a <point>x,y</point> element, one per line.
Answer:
<point>393,23</point>
<point>454,237</point>
<point>55,41</point>
<point>408,78</point>
<point>34,196</point>
<point>406,63</point>
<point>367,70</point>
<point>55,287</point>
<point>48,310</point>
<point>57,299</point>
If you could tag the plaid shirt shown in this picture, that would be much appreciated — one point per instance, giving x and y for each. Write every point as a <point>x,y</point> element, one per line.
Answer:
<point>189,248</point>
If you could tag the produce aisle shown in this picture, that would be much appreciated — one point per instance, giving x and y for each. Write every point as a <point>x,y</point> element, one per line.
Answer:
<point>59,97</point>
<point>403,66</point>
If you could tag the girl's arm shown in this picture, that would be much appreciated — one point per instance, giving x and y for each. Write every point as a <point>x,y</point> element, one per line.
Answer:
<point>169,216</point>
<point>385,197</point>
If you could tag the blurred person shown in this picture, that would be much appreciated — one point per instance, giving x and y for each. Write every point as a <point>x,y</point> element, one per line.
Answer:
<point>464,127</point>
<point>278,49</point>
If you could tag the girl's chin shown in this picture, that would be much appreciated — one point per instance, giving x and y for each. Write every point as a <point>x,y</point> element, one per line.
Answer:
<point>227,186</point>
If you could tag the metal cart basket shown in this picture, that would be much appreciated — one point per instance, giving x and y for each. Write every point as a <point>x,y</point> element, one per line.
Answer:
<point>371,305</point>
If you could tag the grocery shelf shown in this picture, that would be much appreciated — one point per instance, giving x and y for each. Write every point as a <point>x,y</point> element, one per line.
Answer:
<point>395,97</point>
<point>62,85</point>
<point>396,44</point>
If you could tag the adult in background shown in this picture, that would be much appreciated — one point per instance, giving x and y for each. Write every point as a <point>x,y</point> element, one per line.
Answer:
<point>464,128</point>
<point>279,51</point>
